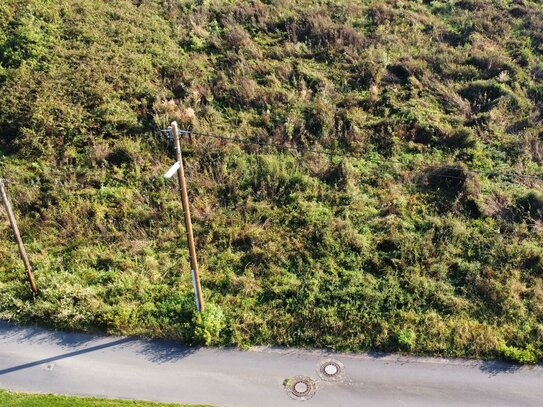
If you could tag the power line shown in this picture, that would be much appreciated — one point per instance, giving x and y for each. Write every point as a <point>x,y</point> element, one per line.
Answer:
<point>267,144</point>
<point>331,153</point>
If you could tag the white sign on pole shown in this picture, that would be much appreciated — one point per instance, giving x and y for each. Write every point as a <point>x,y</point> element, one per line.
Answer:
<point>172,170</point>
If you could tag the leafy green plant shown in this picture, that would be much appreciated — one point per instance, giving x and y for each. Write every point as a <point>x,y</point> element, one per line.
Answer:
<point>521,356</point>
<point>208,325</point>
<point>406,339</point>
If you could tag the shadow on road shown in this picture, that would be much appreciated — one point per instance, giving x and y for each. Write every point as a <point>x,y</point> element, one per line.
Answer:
<point>154,351</point>
<point>37,335</point>
<point>66,355</point>
<point>494,368</point>
<point>164,352</point>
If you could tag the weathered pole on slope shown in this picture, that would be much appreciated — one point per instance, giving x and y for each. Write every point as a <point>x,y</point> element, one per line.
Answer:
<point>15,228</point>
<point>188,223</point>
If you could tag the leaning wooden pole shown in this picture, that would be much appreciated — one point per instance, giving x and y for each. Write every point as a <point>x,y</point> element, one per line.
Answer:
<point>15,228</point>
<point>188,223</point>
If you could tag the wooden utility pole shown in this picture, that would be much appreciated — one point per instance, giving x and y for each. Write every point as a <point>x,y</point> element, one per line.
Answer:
<point>188,223</point>
<point>15,228</point>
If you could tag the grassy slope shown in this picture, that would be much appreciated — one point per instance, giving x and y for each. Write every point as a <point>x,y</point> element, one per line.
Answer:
<point>9,399</point>
<point>388,251</point>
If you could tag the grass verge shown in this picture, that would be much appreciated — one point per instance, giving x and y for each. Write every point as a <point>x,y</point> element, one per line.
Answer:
<point>10,399</point>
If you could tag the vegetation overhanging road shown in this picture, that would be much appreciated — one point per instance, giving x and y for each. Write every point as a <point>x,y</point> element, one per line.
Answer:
<point>37,360</point>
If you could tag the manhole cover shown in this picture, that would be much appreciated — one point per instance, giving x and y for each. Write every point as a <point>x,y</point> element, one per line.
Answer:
<point>331,370</point>
<point>300,387</point>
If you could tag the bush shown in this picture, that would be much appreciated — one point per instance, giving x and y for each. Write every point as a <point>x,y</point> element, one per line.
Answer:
<point>406,339</point>
<point>536,94</point>
<point>483,95</point>
<point>530,206</point>
<point>521,356</point>
<point>208,325</point>
<point>462,138</point>
<point>450,180</point>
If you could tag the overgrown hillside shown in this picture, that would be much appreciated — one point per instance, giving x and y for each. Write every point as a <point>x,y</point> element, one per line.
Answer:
<point>415,236</point>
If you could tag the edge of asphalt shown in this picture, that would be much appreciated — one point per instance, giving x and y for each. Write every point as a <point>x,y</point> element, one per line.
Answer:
<point>291,351</point>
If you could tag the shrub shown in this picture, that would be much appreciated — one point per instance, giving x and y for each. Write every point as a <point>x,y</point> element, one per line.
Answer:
<point>378,15</point>
<point>320,31</point>
<point>208,325</point>
<point>382,137</point>
<point>483,95</point>
<point>536,94</point>
<point>406,339</point>
<point>451,180</point>
<point>456,189</point>
<point>318,119</point>
<point>123,153</point>
<point>530,206</point>
<point>491,64</point>
<point>461,138</point>
<point>522,356</point>
<point>236,37</point>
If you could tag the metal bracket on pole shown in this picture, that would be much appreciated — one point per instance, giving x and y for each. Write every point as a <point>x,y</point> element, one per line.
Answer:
<point>167,132</point>
<point>195,291</point>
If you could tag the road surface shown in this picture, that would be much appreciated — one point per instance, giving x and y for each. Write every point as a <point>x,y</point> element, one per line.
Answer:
<point>36,360</point>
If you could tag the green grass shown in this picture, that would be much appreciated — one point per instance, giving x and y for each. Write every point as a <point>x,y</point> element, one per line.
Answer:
<point>10,399</point>
<point>388,250</point>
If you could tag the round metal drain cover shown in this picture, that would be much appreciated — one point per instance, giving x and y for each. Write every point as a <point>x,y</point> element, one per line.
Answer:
<point>331,370</point>
<point>301,387</point>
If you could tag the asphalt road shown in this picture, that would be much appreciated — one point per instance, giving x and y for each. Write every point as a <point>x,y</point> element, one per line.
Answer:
<point>36,360</point>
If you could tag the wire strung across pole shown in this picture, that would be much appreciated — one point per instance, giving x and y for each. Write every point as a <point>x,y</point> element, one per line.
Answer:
<point>330,153</point>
